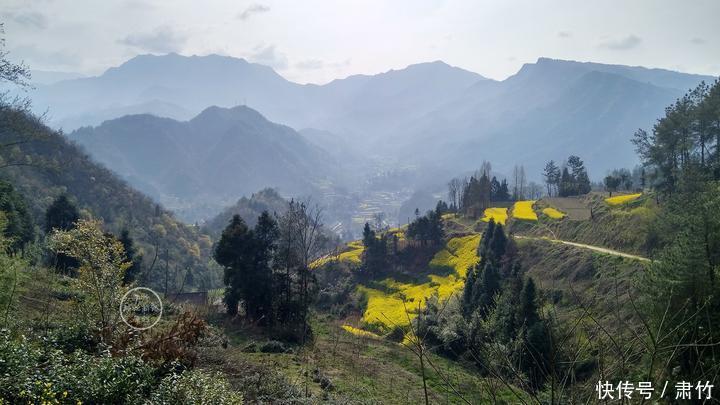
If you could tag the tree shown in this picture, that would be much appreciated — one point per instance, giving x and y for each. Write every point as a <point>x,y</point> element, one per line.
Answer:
<point>19,229</point>
<point>504,192</point>
<point>246,256</point>
<point>14,73</point>
<point>61,214</point>
<point>551,174</point>
<point>301,226</point>
<point>454,191</point>
<point>427,229</point>
<point>486,288</point>
<point>102,266</point>
<point>265,242</point>
<point>494,189</point>
<point>534,191</point>
<point>234,253</point>
<point>611,183</point>
<point>133,257</point>
<point>680,145</point>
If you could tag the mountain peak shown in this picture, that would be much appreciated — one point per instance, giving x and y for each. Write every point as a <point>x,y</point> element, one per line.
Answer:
<point>237,113</point>
<point>560,69</point>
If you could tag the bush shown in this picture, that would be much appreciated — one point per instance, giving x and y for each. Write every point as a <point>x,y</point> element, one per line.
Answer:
<point>195,387</point>
<point>40,374</point>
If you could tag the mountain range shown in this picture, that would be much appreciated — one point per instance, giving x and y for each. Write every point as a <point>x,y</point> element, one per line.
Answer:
<point>210,160</point>
<point>437,119</point>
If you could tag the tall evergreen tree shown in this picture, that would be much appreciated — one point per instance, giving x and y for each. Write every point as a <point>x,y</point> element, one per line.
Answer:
<point>551,174</point>
<point>132,256</point>
<point>61,214</point>
<point>19,229</point>
<point>247,273</point>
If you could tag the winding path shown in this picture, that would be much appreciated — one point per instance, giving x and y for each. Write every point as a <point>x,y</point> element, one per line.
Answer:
<point>584,246</point>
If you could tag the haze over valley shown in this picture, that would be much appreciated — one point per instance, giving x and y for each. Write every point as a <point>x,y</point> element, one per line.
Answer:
<point>199,132</point>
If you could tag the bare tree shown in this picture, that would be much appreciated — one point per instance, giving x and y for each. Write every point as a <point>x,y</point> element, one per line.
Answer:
<point>15,73</point>
<point>534,191</point>
<point>454,190</point>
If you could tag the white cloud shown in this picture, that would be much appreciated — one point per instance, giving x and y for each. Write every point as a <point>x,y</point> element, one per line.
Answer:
<point>268,55</point>
<point>30,19</point>
<point>161,40</point>
<point>622,44</point>
<point>253,9</point>
<point>310,64</point>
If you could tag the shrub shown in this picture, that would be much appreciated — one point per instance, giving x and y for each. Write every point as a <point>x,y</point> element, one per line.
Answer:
<point>32,373</point>
<point>195,387</point>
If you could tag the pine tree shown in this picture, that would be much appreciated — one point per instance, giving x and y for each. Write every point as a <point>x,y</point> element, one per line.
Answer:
<point>566,186</point>
<point>486,288</point>
<point>61,214</point>
<point>528,309</point>
<point>368,236</point>
<point>552,177</point>
<point>495,189</point>
<point>247,256</point>
<point>498,243</point>
<point>133,257</point>
<point>19,229</point>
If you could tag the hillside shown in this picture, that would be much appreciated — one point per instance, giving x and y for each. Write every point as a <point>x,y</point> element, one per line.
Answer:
<point>249,210</point>
<point>427,286</point>
<point>197,167</point>
<point>45,164</point>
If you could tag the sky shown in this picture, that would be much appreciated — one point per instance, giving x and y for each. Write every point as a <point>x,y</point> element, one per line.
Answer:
<point>316,41</point>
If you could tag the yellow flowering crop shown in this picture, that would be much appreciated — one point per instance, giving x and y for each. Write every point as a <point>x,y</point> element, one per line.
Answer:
<point>352,255</point>
<point>388,309</point>
<point>498,214</point>
<point>524,210</point>
<point>359,332</point>
<point>622,199</point>
<point>553,213</point>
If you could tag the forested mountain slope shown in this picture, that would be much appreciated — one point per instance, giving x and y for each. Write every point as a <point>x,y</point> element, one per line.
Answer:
<point>249,210</point>
<point>42,164</point>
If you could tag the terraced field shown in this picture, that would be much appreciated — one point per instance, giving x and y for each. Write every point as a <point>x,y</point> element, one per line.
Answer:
<point>524,210</point>
<point>396,303</point>
<point>574,207</point>
<point>499,215</point>
<point>622,199</point>
<point>553,213</point>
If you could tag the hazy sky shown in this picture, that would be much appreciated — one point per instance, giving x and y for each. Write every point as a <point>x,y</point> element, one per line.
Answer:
<point>317,41</point>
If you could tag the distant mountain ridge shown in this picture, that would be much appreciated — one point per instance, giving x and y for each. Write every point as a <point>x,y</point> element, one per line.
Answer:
<point>440,120</point>
<point>216,156</point>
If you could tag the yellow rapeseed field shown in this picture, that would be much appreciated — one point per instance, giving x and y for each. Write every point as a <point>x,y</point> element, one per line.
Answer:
<point>498,214</point>
<point>352,255</point>
<point>622,199</point>
<point>360,332</point>
<point>553,213</point>
<point>388,309</point>
<point>524,210</point>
